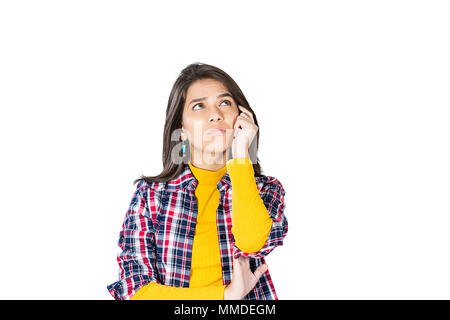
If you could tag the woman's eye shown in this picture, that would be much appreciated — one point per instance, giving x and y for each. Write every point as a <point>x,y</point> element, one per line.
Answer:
<point>201,104</point>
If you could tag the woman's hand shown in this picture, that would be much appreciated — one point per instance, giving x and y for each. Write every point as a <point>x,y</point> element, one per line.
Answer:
<point>245,131</point>
<point>243,279</point>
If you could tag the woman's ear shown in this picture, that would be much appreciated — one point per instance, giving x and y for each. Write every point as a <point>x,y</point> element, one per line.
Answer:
<point>183,135</point>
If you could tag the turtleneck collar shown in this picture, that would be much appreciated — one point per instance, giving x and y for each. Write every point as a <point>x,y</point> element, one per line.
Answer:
<point>207,177</point>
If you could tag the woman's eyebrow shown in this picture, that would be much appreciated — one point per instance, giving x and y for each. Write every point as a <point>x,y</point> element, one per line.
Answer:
<point>203,98</point>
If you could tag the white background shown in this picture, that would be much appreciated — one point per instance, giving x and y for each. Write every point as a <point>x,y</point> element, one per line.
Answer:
<point>352,98</point>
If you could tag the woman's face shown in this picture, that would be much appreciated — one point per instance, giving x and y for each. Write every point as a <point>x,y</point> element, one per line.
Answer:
<point>209,105</point>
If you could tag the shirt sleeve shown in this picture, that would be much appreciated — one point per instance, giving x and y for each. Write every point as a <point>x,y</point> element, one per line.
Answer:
<point>155,291</point>
<point>137,261</point>
<point>259,223</point>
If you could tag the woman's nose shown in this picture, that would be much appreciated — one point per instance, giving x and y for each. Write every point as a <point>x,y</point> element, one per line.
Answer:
<point>215,116</point>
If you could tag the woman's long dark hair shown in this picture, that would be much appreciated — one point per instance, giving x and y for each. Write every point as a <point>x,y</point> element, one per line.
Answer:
<point>174,115</point>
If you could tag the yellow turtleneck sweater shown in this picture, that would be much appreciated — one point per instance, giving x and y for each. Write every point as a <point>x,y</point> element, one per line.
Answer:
<point>251,227</point>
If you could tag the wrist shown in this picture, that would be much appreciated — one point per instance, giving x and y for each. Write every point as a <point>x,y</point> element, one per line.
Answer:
<point>240,150</point>
<point>228,294</point>
<point>240,153</point>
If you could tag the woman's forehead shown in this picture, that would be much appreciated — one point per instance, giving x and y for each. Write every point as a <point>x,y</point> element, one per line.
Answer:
<point>205,87</point>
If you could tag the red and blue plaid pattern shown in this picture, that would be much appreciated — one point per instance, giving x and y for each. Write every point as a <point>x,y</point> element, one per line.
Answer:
<point>159,227</point>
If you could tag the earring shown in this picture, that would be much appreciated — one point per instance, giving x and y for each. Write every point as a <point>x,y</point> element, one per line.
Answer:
<point>183,148</point>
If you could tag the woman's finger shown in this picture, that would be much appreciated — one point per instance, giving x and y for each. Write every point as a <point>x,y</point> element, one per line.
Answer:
<point>245,262</point>
<point>246,117</point>
<point>240,121</point>
<point>244,120</point>
<point>246,112</point>
<point>260,271</point>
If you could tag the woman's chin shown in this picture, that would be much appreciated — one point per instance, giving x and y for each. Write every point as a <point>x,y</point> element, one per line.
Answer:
<point>215,148</point>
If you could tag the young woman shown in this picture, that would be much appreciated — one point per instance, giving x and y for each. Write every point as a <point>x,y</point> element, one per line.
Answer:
<point>201,228</point>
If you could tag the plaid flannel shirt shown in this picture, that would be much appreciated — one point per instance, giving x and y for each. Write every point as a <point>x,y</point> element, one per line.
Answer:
<point>158,232</point>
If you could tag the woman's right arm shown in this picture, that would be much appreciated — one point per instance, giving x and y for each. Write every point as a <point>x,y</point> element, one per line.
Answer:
<point>137,261</point>
<point>138,277</point>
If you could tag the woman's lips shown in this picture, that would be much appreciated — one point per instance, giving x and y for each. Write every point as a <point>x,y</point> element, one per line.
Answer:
<point>216,131</point>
